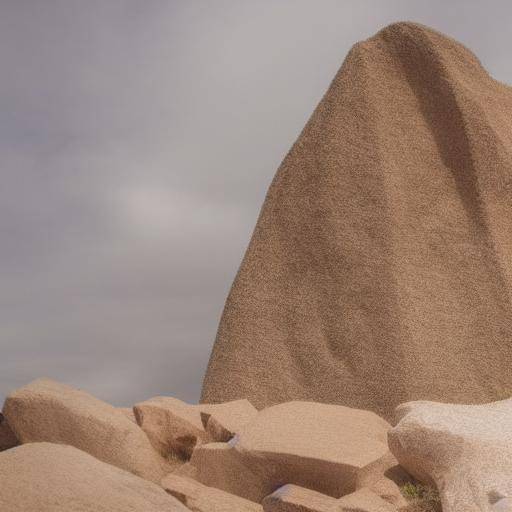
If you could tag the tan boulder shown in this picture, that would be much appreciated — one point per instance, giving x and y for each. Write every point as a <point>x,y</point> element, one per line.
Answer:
<point>45,410</point>
<point>45,477</point>
<point>463,450</point>
<point>172,426</point>
<point>364,500</point>
<point>223,421</point>
<point>318,446</point>
<point>7,437</point>
<point>200,498</point>
<point>292,498</point>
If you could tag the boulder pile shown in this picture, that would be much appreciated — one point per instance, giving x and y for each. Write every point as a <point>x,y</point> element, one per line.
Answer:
<point>64,450</point>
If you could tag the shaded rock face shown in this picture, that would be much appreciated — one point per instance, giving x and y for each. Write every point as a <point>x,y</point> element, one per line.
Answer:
<point>46,477</point>
<point>7,437</point>
<point>380,269</point>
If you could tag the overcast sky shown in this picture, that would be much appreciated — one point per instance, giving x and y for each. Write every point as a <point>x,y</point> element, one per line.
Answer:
<point>137,139</point>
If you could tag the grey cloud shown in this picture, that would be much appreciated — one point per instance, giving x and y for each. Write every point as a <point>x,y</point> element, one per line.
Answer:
<point>138,140</point>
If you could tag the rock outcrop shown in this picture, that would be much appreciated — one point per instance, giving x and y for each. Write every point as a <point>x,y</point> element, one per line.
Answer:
<point>463,450</point>
<point>47,411</point>
<point>380,269</point>
<point>45,477</point>
<point>318,446</point>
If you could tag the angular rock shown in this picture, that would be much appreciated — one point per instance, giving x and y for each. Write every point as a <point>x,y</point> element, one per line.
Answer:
<point>45,477</point>
<point>45,410</point>
<point>173,426</point>
<point>364,500</point>
<point>388,224</point>
<point>7,437</point>
<point>318,446</point>
<point>292,498</point>
<point>219,465</point>
<point>200,498</point>
<point>176,427</point>
<point>223,421</point>
<point>463,450</point>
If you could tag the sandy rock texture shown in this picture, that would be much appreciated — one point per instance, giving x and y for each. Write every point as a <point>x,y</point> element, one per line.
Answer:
<point>380,269</point>
<point>45,410</point>
<point>200,498</point>
<point>385,477</point>
<point>318,446</point>
<point>7,437</point>
<point>364,500</point>
<point>464,450</point>
<point>224,421</point>
<point>45,477</point>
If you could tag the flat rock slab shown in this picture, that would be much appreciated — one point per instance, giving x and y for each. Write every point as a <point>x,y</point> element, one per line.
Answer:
<point>200,498</point>
<point>45,477</point>
<point>45,410</point>
<point>317,446</point>
<point>292,498</point>
<point>464,450</point>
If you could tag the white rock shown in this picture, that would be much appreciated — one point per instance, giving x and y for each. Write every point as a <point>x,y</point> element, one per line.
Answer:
<point>464,450</point>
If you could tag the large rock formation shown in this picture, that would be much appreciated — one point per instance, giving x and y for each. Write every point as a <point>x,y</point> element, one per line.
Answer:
<point>380,269</point>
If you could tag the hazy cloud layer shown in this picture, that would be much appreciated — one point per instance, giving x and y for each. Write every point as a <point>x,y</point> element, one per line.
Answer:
<point>138,139</point>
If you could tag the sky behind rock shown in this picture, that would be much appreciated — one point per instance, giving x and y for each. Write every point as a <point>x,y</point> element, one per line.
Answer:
<point>138,139</point>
